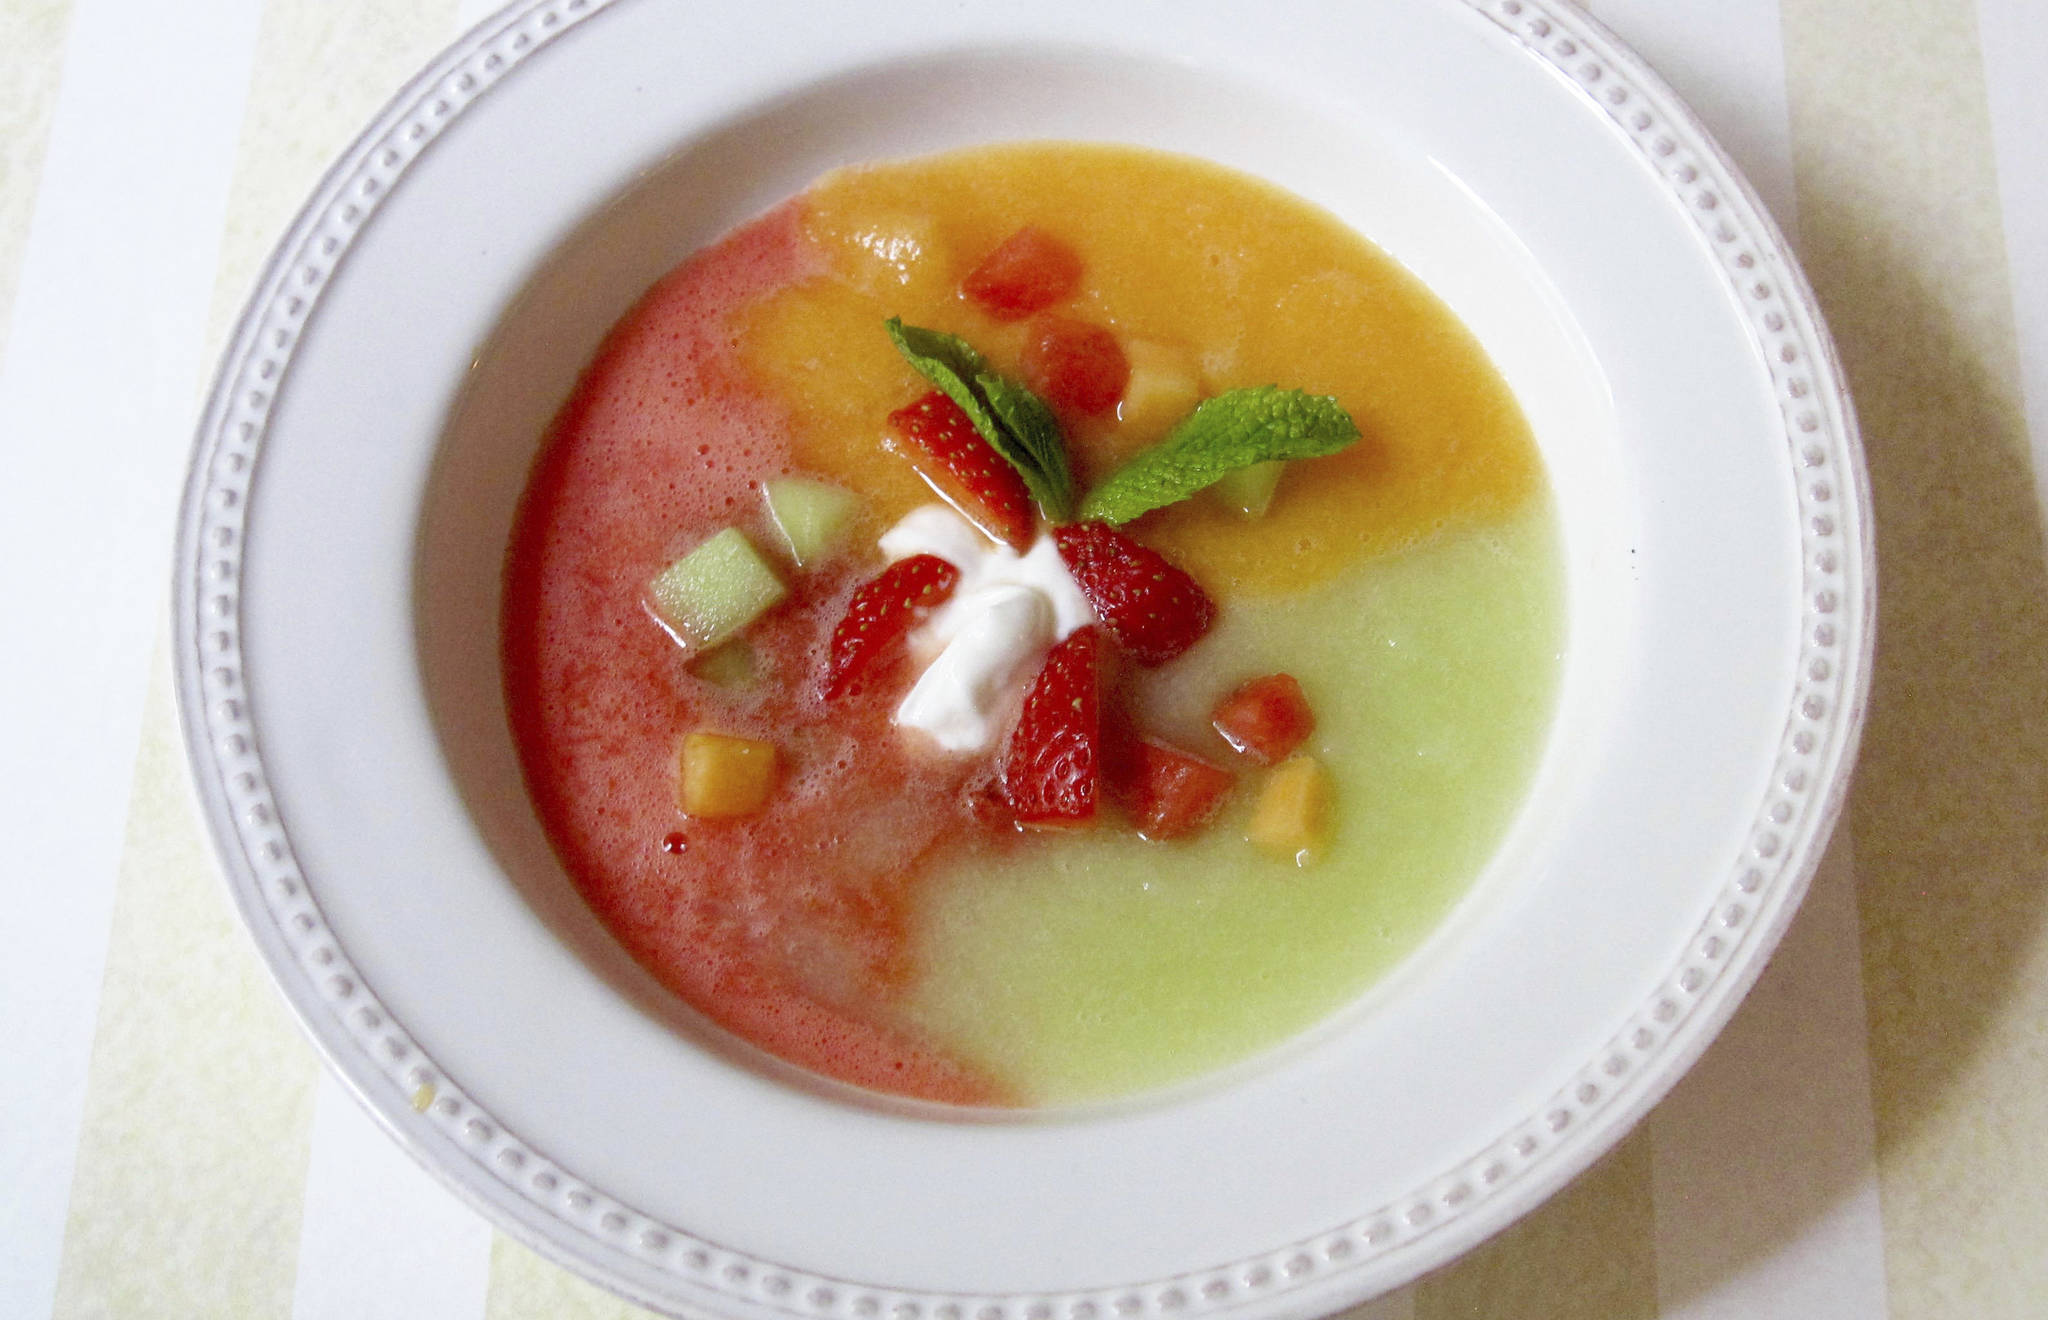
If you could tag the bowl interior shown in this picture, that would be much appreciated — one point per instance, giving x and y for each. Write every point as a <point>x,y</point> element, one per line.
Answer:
<point>552,327</point>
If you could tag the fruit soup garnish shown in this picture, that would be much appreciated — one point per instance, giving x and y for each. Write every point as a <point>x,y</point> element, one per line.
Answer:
<point>1031,624</point>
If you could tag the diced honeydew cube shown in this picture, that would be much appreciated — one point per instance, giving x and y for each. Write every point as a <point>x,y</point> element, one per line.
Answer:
<point>733,665</point>
<point>1164,387</point>
<point>715,590</point>
<point>719,775</point>
<point>1249,490</point>
<point>811,515</point>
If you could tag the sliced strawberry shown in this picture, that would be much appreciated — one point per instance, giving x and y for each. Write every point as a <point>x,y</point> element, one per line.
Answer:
<point>1028,272</point>
<point>1266,719</point>
<point>1154,610</point>
<point>1169,792</point>
<point>1052,766</point>
<point>1078,368</point>
<point>955,461</point>
<point>882,611</point>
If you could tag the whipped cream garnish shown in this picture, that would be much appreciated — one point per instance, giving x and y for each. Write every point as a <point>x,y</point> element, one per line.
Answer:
<point>989,638</point>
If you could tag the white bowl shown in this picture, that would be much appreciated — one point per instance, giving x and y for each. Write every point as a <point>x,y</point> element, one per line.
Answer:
<point>336,612</point>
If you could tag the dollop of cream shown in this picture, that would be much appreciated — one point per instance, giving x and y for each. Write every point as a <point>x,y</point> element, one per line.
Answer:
<point>988,640</point>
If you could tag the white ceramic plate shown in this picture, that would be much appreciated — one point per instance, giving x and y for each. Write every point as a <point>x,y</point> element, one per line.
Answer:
<point>354,480</point>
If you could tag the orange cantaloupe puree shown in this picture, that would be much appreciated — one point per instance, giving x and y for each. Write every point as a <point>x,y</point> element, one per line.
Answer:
<point>1260,286</point>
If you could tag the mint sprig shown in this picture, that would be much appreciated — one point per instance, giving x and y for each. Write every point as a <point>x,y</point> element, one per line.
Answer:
<point>1231,431</point>
<point>1030,419</point>
<point>1239,429</point>
<point>1016,423</point>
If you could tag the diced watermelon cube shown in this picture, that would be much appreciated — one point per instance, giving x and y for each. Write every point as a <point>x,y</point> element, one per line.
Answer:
<point>1027,272</point>
<point>1078,368</point>
<point>1266,719</point>
<point>1169,792</point>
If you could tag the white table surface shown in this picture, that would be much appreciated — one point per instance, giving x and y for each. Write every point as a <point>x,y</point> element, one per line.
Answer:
<point>1865,1140</point>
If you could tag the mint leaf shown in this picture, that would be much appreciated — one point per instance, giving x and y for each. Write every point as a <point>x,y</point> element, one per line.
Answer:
<point>1228,432</point>
<point>950,363</point>
<point>1028,418</point>
<point>1016,423</point>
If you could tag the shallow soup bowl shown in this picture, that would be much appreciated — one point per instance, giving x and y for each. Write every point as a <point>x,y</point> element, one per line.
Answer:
<point>352,496</point>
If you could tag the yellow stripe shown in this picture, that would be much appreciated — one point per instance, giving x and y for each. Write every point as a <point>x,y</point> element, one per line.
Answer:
<point>1901,231</point>
<point>527,1287</point>
<point>31,53</point>
<point>192,1152</point>
<point>185,1198</point>
<point>1588,1254</point>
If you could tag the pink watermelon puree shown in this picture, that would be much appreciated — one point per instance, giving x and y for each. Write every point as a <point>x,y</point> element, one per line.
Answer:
<point>790,928</point>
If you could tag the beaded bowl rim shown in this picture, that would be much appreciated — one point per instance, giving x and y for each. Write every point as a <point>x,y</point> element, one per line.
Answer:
<point>666,1267</point>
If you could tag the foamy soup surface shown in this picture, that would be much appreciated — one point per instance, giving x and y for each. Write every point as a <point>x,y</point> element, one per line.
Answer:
<point>879,916</point>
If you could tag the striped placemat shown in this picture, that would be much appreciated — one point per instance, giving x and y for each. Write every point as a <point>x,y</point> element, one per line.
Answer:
<point>1867,1138</point>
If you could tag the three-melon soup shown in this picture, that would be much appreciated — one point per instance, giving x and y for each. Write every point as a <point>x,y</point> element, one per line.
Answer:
<point>1031,624</point>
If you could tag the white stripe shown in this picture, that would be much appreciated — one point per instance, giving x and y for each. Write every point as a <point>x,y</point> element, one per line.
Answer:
<point>379,1238</point>
<point>97,397</point>
<point>1727,60</point>
<point>2013,35</point>
<point>1763,1159</point>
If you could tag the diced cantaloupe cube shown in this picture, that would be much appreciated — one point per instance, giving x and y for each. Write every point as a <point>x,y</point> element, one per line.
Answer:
<point>811,515</point>
<point>897,251</point>
<point>715,590</point>
<point>1290,816</point>
<point>1164,387</point>
<point>1220,365</point>
<point>1249,490</point>
<point>720,775</point>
